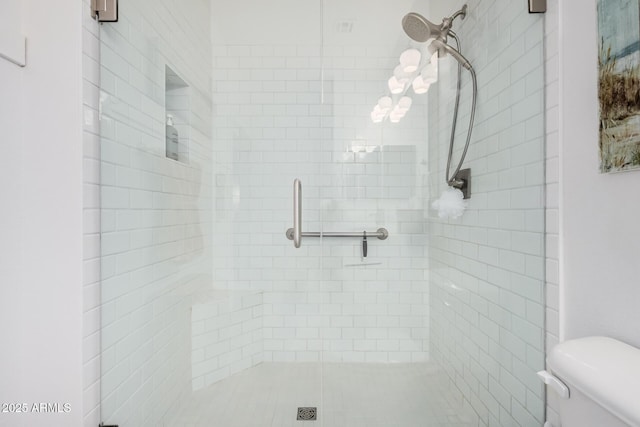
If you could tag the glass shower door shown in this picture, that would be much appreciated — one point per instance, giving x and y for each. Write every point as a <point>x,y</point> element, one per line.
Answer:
<point>205,303</point>
<point>211,317</point>
<point>156,204</point>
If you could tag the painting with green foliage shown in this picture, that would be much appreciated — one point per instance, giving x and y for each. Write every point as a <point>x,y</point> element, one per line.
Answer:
<point>619,84</point>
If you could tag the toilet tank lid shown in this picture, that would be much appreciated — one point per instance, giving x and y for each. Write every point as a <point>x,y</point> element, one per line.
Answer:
<point>605,370</point>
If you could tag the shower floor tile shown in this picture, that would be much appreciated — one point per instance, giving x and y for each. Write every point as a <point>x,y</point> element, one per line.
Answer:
<point>347,395</point>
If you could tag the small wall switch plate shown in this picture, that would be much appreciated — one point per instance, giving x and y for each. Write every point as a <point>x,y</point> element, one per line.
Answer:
<point>537,6</point>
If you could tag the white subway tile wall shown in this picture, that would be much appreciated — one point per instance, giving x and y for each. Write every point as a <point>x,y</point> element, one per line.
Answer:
<point>283,112</point>
<point>487,269</point>
<point>226,335</point>
<point>155,212</point>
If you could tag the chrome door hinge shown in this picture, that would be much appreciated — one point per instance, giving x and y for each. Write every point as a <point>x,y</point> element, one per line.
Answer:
<point>537,6</point>
<point>104,10</point>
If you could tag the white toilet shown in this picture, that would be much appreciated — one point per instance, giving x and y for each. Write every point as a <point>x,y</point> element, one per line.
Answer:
<point>598,380</point>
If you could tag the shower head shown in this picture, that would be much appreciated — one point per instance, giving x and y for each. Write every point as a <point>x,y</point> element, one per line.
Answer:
<point>421,29</point>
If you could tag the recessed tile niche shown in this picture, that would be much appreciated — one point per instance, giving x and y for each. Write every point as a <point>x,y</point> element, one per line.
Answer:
<point>177,113</point>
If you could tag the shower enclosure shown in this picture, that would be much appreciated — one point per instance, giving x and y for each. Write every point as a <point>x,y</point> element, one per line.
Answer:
<point>210,314</point>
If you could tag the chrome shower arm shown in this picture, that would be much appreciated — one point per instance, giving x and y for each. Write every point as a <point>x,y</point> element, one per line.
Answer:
<point>462,12</point>
<point>447,23</point>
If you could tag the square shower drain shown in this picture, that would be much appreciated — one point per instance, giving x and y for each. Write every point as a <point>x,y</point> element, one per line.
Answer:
<point>307,413</point>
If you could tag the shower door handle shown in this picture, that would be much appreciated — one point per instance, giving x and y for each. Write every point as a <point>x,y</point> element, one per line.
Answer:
<point>297,213</point>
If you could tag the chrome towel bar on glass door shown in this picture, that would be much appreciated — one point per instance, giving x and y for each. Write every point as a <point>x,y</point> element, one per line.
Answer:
<point>381,234</point>
<point>296,233</point>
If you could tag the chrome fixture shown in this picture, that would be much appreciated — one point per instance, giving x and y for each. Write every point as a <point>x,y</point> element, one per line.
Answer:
<point>296,233</point>
<point>537,6</point>
<point>307,413</point>
<point>421,30</point>
<point>104,10</point>
<point>464,177</point>
<point>380,233</point>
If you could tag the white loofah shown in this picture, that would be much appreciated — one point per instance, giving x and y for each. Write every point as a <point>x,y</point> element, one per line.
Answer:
<point>451,203</point>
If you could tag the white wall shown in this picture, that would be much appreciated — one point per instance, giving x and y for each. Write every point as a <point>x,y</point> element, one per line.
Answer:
<point>599,212</point>
<point>591,281</point>
<point>249,22</point>
<point>41,218</point>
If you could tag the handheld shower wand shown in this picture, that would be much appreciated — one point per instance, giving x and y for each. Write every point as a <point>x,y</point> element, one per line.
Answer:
<point>442,46</point>
<point>421,30</point>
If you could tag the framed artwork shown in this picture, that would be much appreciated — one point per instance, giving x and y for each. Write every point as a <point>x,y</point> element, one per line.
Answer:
<point>619,84</point>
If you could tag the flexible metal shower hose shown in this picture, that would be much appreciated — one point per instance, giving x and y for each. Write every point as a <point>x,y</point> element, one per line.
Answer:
<point>451,179</point>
